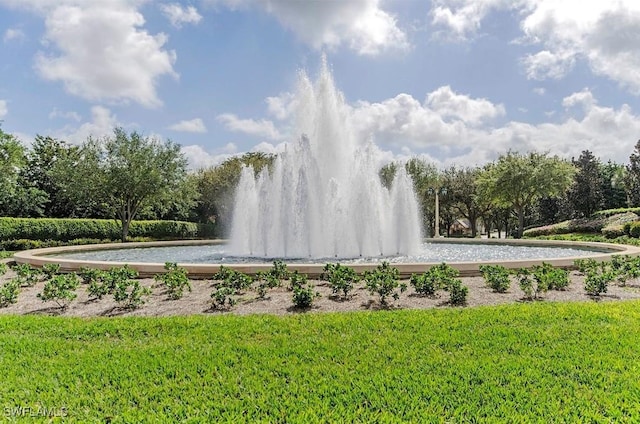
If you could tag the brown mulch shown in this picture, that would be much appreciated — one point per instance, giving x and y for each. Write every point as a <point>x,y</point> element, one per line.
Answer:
<point>278,301</point>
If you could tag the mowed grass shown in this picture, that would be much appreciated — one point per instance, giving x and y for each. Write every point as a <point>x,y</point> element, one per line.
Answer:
<point>540,362</point>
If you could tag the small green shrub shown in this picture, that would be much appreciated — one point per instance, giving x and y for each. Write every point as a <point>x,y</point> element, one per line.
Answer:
<point>3,268</point>
<point>296,280</point>
<point>585,265</point>
<point>531,286</point>
<point>457,292</point>
<point>175,279</point>
<point>341,278</point>
<point>129,293</point>
<point>597,282</point>
<point>265,281</point>
<point>550,277</point>
<point>60,289</point>
<point>280,270</point>
<point>496,277</point>
<point>303,296</point>
<point>50,270</point>
<point>384,280</point>
<point>89,275</point>
<point>9,292</point>
<point>236,280</point>
<point>435,278</point>
<point>222,297</point>
<point>27,275</point>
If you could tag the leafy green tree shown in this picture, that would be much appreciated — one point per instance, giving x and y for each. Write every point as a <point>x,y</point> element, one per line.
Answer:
<point>585,195</point>
<point>124,173</point>
<point>517,181</point>
<point>37,173</point>
<point>466,197</point>
<point>17,198</point>
<point>216,187</point>
<point>613,187</point>
<point>427,183</point>
<point>632,180</point>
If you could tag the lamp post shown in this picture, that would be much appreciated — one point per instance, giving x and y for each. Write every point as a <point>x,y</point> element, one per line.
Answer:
<point>436,232</point>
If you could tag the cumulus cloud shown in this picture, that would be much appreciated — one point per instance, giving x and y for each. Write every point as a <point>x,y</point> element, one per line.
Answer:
<point>472,111</point>
<point>3,109</point>
<point>603,34</point>
<point>99,50</point>
<point>458,138</point>
<point>198,157</point>
<point>70,115</point>
<point>179,15</point>
<point>362,25</point>
<point>461,19</point>
<point>261,128</point>
<point>194,125</point>
<point>13,34</point>
<point>102,123</point>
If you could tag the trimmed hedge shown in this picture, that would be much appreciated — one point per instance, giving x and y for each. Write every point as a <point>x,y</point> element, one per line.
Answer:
<point>64,230</point>
<point>610,212</point>
<point>609,225</point>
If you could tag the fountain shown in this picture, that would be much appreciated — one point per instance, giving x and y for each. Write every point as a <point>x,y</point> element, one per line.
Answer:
<point>323,201</point>
<point>323,197</point>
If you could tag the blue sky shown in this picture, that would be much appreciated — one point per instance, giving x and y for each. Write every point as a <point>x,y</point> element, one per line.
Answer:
<point>453,81</point>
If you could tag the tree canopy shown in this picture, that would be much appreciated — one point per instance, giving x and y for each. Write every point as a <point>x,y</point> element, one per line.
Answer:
<point>123,173</point>
<point>516,180</point>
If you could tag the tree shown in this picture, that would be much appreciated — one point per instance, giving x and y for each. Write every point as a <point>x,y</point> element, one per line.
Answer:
<point>613,187</point>
<point>16,197</point>
<point>216,187</point>
<point>37,173</point>
<point>428,184</point>
<point>516,180</point>
<point>466,198</point>
<point>585,195</point>
<point>124,173</point>
<point>632,180</point>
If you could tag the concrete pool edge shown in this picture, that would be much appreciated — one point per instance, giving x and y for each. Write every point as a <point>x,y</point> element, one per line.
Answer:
<point>41,257</point>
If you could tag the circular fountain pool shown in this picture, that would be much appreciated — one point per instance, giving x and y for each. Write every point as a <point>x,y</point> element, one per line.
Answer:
<point>203,258</point>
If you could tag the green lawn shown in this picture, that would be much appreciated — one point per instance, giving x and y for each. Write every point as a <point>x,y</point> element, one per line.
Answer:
<point>542,362</point>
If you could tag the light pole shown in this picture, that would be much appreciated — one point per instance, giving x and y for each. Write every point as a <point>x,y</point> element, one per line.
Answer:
<point>436,232</point>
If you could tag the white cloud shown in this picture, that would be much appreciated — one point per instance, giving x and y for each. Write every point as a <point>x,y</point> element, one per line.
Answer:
<point>3,109</point>
<point>194,125</point>
<point>13,34</point>
<point>454,138</point>
<point>73,116</point>
<point>198,158</point>
<point>540,91</point>
<point>100,50</point>
<point>179,15</point>
<point>282,106</point>
<point>461,19</point>
<point>362,25</point>
<point>472,111</point>
<point>262,128</point>
<point>102,124</point>
<point>604,34</point>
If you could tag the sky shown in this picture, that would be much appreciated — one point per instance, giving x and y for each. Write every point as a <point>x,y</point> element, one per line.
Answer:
<point>456,82</point>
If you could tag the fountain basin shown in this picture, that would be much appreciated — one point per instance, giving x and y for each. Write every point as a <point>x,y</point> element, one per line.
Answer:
<point>596,251</point>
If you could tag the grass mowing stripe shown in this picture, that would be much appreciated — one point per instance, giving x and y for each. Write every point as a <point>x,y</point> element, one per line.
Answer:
<point>528,362</point>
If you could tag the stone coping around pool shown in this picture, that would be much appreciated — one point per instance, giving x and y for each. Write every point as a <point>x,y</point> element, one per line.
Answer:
<point>40,257</point>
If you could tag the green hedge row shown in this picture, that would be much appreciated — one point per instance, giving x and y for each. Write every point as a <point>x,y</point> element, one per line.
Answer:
<point>103,229</point>
<point>609,212</point>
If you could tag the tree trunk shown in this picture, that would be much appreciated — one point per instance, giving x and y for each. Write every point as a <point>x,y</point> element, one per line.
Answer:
<point>520,212</point>
<point>474,225</point>
<point>125,228</point>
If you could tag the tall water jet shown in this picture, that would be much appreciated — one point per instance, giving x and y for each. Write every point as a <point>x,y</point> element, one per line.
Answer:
<point>323,196</point>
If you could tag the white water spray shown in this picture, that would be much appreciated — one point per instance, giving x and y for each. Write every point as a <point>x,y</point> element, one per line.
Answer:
<point>323,197</point>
